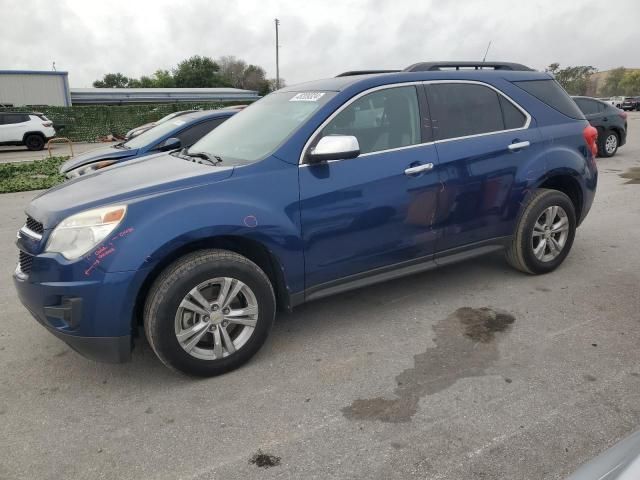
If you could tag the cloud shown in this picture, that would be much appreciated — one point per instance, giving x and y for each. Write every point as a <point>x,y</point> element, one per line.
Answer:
<point>318,38</point>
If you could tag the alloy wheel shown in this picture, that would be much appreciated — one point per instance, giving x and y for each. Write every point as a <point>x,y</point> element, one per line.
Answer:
<point>216,318</point>
<point>611,143</point>
<point>550,233</point>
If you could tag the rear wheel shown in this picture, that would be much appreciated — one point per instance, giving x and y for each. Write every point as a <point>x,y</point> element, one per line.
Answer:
<point>608,144</point>
<point>544,233</point>
<point>209,312</point>
<point>34,141</point>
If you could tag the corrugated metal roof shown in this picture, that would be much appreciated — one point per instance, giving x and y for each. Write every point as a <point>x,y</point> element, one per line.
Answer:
<point>158,95</point>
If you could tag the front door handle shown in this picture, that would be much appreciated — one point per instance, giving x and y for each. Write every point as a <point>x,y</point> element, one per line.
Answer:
<point>419,169</point>
<point>519,145</point>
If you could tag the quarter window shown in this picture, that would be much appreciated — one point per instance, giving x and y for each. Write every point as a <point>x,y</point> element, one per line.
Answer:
<point>381,120</point>
<point>462,109</point>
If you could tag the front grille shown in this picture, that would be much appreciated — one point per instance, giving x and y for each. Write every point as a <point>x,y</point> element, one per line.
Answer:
<point>25,261</point>
<point>34,226</point>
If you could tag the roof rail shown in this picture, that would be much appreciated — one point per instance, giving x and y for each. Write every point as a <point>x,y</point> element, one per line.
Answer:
<point>364,72</point>
<point>435,66</point>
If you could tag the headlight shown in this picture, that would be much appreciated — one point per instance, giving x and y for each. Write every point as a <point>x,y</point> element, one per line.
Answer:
<point>92,167</point>
<point>79,233</point>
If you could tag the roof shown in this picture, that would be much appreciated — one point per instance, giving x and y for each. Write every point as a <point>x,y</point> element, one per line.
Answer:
<point>338,84</point>
<point>158,95</point>
<point>33,72</point>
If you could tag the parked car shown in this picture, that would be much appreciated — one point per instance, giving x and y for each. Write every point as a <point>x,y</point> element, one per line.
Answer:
<point>610,122</point>
<point>620,462</point>
<point>315,189</point>
<point>616,101</point>
<point>30,129</point>
<point>181,132</point>
<point>134,132</point>
<point>631,103</point>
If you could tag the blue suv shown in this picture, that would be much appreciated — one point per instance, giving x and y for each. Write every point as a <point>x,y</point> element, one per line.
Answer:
<point>315,189</point>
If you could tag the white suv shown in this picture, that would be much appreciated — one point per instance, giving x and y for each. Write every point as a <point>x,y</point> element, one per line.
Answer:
<point>29,129</point>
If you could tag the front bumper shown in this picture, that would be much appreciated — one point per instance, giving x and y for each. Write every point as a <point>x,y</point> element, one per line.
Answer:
<point>94,316</point>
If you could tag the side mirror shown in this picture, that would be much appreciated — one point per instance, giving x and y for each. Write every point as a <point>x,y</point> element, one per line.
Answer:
<point>334,147</point>
<point>170,144</point>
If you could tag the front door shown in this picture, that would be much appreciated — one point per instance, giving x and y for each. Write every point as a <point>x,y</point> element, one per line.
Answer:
<point>375,210</point>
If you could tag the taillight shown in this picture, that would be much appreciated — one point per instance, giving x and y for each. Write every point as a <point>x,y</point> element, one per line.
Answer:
<point>47,124</point>
<point>590,135</point>
<point>623,115</point>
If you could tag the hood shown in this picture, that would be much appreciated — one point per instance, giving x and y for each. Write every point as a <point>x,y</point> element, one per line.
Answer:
<point>124,183</point>
<point>100,153</point>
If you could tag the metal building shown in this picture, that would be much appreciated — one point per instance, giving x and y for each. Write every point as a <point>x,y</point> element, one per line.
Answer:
<point>33,87</point>
<point>117,96</point>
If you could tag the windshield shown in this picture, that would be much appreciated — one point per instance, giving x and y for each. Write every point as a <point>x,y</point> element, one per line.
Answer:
<point>154,134</point>
<point>257,131</point>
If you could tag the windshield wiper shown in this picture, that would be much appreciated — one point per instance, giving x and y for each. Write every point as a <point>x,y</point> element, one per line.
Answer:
<point>211,159</point>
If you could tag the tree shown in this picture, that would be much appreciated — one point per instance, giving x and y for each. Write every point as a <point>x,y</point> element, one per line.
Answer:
<point>612,82</point>
<point>232,70</point>
<point>163,79</point>
<point>198,72</point>
<point>553,68</point>
<point>112,80</point>
<point>573,79</point>
<point>630,83</point>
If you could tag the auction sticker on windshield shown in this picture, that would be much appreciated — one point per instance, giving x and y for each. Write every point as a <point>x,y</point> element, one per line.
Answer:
<point>307,97</point>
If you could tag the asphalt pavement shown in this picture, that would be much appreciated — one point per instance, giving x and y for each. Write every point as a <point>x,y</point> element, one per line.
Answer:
<point>379,383</point>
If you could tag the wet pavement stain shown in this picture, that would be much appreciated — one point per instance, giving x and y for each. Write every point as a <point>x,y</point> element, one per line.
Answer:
<point>464,347</point>
<point>264,460</point>
<point>633,175</point>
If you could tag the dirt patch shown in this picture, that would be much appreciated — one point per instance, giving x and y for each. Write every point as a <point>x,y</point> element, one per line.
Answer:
<point>633,175</point>
<point>464,348</point>
<point>264,460</point>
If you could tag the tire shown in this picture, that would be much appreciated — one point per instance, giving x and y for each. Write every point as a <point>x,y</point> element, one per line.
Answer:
<point>167,315</point>
<point>34,141</point>
<point>521,253</point>
<point>608,144</point>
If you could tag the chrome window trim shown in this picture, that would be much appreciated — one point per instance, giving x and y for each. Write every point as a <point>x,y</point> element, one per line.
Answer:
<point>30,233</point>
<point>527,123</point>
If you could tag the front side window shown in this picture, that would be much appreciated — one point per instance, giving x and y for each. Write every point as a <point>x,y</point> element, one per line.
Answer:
<point>381,120</point>
<point>191,135</point>
<point>464,109</point>
<point>588,107</point>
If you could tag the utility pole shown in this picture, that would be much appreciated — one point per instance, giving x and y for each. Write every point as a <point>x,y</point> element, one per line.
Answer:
<point>277,57</point>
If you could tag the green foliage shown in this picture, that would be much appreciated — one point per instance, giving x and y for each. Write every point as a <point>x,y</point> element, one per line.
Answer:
<point>87,123</point>
<point>573,79</point>
<point>612,82</point>
<point>630,83</point>
<point>37,175</point>
<point>112,80</point>
<point>199,72</point>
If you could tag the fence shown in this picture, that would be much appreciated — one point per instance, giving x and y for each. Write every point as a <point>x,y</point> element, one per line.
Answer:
<point>88,123</point>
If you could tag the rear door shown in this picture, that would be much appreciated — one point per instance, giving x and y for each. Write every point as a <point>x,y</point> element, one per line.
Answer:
<point>482,140</point>
<point>371,211</point>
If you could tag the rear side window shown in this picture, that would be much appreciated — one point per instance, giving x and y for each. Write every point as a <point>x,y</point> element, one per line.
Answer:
<point>589,107</point>
<point>551,93</point>
<point>460,110</point>
<point>10,118</point>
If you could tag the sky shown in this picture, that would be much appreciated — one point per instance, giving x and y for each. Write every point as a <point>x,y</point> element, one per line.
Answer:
<point>318,39</point>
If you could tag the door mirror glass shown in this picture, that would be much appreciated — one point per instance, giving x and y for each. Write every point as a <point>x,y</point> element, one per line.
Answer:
<point>334,147</point>
<point>170,144</point>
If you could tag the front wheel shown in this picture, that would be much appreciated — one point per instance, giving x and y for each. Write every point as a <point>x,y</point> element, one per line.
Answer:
<point>34,142</point>
<point>544,234</point>
<point>209,312</point>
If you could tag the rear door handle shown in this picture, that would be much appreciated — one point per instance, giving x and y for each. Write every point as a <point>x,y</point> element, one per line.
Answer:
<point>519,145</point>
<point>419,169</point>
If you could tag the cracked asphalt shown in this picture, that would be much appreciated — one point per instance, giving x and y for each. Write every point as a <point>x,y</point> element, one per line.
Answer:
<point>379,383</point>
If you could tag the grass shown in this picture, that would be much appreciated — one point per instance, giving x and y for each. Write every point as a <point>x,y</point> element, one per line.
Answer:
<point>36,175</point>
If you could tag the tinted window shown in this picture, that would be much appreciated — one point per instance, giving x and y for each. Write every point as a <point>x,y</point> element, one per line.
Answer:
<point>551,93</point>
<point>15,118</point>
<point>588,107</point>
<point>192,134</point>
<point>513,118</point>
<point>459,110</point>
<point>154,134</point>
<point>381,120</point>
